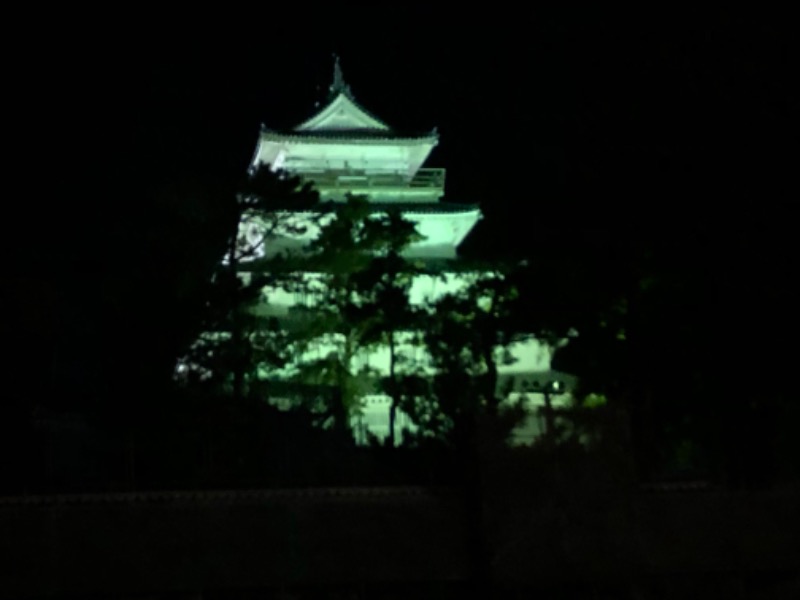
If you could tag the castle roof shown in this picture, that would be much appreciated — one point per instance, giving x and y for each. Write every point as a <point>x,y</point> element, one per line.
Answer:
<point>442,208</point>
<point>343,119</point>
<point>366,137</point>
<point>343,114</point>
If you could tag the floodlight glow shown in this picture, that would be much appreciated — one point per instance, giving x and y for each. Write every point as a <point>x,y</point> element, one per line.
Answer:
<point>344,149</point>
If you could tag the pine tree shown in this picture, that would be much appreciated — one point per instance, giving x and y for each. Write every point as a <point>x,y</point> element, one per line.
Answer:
<point>358,284</point>
<point>467,336</point>
<point>233,340</point>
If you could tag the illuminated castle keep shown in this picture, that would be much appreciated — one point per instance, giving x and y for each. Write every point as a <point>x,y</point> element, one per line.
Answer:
<point>345,149</point>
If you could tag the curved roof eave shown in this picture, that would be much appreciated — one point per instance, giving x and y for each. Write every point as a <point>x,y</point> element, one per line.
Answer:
<point>356,137</point>
<point>432,208</point>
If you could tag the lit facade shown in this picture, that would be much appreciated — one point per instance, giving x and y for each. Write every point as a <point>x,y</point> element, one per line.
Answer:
<point>345,149</point>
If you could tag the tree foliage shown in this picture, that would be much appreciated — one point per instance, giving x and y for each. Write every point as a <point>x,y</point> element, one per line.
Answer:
<point>357,285</point>
<point>233,341</point>
<point>467,335</point>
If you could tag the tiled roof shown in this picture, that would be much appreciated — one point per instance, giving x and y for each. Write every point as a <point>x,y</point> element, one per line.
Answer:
<point>424,207</point>
<point>442,208</point>
<point>360,136</point>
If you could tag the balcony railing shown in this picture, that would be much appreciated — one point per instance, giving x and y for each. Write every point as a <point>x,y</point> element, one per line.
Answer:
<point>432,179</point>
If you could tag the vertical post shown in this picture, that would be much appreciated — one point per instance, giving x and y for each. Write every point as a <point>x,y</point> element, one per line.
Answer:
<point>549,417</point>
<point>393,395</point>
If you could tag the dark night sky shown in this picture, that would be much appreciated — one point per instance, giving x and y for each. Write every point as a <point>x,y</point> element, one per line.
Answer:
<point>588,121</point>
<point>585,128</point>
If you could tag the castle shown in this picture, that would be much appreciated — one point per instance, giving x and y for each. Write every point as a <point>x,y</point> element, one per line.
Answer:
<point>343,149</point>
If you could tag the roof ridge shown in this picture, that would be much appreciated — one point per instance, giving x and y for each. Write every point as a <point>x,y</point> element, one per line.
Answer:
<point>354,135</point>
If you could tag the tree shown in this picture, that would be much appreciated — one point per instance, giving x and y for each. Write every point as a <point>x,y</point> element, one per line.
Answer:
<point>358,283</point>
<point>233,341</point>
<point>387,282</point>
<point>646,349</point>
<point>467,335</point>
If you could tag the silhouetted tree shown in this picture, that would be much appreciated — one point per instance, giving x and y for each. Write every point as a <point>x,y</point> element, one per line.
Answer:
<point>233,340</point>
<point>467,335</point>
<point>387,283</point>
<point>646,348</point>
<point>357,283</point>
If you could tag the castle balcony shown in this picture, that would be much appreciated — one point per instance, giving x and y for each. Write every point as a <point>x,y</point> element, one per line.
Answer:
<point>424,185</point>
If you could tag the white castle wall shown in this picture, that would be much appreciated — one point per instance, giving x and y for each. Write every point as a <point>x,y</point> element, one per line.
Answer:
<point>521,378</point>
<point>441,233</point>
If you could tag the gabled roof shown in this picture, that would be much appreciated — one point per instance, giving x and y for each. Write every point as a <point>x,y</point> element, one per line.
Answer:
<point>343,113</point>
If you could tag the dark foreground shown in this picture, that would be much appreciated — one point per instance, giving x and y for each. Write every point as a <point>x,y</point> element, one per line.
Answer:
<point>400,543</point>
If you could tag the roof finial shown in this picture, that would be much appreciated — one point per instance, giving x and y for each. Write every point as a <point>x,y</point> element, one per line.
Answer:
<point>339,86</point>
